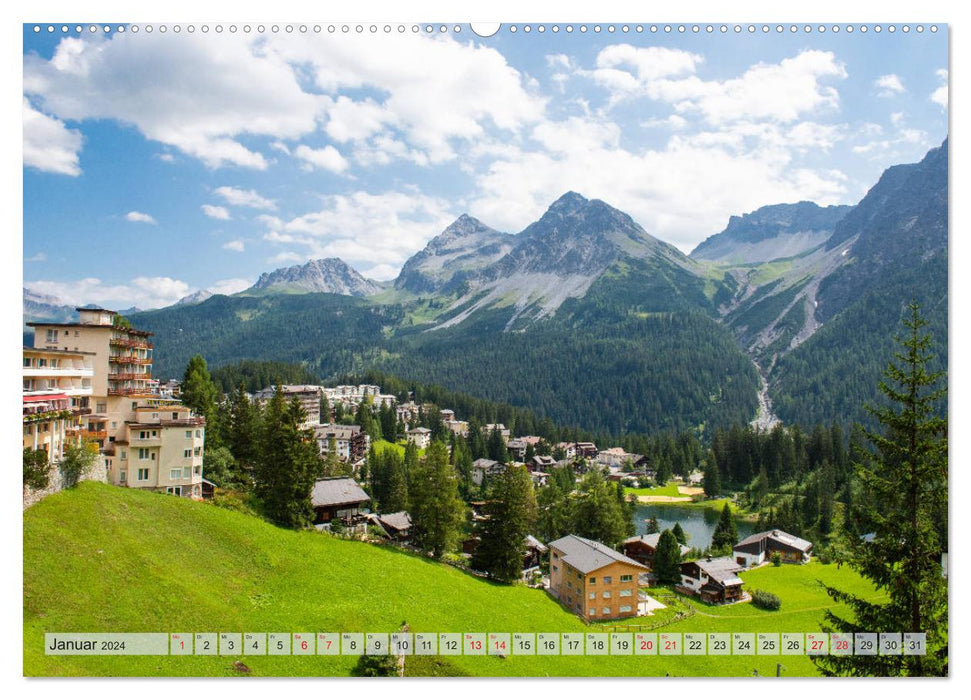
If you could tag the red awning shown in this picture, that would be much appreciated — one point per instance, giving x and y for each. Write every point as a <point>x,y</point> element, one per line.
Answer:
<point>45,397</point>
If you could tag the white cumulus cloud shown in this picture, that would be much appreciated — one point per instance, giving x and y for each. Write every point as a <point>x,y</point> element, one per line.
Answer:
<point>141,292</point>
<point>216,212</point>
<point>140,217</point>
<point>889,85</point>
<point>244,198</point>
<point>939,96</point>
<point>327,158</point>
<point>196,93</point>
<point>237,246</point>
<point>49,145</point>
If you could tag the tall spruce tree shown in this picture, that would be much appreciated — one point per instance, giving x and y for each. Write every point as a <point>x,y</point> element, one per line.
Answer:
<point>903,478</point>
<point>199,393</point>
<point>725,534</point>
<point>511,511</point>
<point>667,558</point>
<point>597,514</point>
<point>679,534</point>
<point>437,512</point>
<point>712,478</point>
<point>242,430</point>
<point>289,463</point>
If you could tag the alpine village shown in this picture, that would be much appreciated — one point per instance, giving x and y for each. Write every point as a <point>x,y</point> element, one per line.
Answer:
<point>573,428</point>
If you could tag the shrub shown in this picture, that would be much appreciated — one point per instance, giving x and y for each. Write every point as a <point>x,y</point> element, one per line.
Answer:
<point>766,600</point>
<point>776,559</point>
<point>36,469</point>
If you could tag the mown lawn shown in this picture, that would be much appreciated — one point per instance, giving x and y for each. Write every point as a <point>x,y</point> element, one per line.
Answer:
<point>669,489</point>
<point>100,558</point>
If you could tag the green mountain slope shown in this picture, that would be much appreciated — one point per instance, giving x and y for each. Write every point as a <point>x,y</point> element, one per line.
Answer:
<point>100,558</point>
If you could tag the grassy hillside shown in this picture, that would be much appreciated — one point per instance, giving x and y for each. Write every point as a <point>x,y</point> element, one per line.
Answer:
<point>100,558</point>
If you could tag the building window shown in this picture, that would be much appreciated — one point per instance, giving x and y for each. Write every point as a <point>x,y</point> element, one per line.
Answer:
<point>625,608</point>
<point>592,612</point>
<point>175,474</point>
<point>51,335</point>
<point>608,579</point>
<point>579,576</point>
<point>606,594</point>
<point>143,474</point>
<point>188,434</point>
<point>569,585</point>
<point>122,476</point>
<point>606,611</point>
<point>187,454</point>
<point>143,453</point>
<point>626,578</point>
<point>174,490</point>
<point>198,433</point>
<point>124,454</point>
<point>593,596</point>
<point>102,408</point>
<point>55,363</point>
<point>593,579</point>
<point>27,362</point>
<point>555,555</point>
<point>186,472</point>
<point>197,451</point>
<point>626,592</point>
<point>197,470</point>
<point>556,568</point>
<point>28,385</point>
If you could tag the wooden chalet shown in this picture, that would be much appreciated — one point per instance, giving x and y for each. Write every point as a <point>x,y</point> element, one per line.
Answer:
<point>758,548</point>
<point>642,548</point>
<point>338,499</point>
<point>715,581</point>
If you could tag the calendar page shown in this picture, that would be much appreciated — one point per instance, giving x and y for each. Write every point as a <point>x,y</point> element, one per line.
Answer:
<point>547,349</point>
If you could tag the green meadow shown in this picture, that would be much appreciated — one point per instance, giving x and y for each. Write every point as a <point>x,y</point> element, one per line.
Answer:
<point>104,559</point>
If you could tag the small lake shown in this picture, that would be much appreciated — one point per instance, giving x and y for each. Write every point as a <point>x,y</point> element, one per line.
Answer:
<point>698,523</point>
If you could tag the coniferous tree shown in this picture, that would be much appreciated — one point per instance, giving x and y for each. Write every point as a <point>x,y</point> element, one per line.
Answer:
<point>288,464</point>
<point>679,534</point>
<point>667,559</point>
<point>437,512</point>
<point>199,393</point>
<point>511,515</point>
<point>904,477</point>
<point>242,433</point>
<point>726,533</point>
<point>597,515</point>
<point>397,494</point>
<point>497,447</point>
<point>712,478</point>
<point>653,527</point>
<point>554,517</point>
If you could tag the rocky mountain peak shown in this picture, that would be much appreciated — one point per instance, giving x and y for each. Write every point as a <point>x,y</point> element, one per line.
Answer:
<point>328,275</point>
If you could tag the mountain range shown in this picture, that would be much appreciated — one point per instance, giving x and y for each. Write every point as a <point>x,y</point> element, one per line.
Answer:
<point>786,287</point>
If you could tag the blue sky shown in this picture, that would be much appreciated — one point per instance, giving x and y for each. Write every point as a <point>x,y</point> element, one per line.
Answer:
<point>159,164</point>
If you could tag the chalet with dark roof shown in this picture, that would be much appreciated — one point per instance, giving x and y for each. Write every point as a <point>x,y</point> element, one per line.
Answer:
<point>758,548</point>
<point>715,581</point>
<point>338,499</point>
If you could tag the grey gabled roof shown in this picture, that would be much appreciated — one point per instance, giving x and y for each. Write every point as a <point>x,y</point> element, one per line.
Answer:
<point>722,569</point>
<point>779,536</point>
<point>589,555</point>
<point>337,492</point>
<point>535,543</point>
<point>399,521</point>
<point>484,463</point>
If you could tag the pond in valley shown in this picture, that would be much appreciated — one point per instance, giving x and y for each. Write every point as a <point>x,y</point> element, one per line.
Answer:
<point>698,523</point>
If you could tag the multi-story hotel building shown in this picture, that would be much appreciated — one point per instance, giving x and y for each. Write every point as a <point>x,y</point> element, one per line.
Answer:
<point>144,439</point>
<point>57,392</point>
<point>592,580</point>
